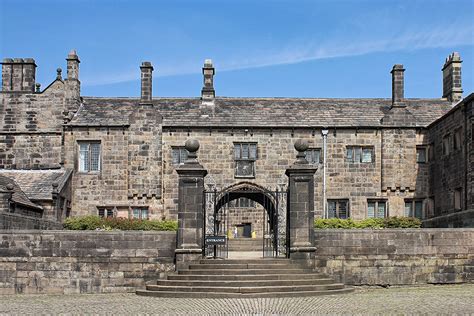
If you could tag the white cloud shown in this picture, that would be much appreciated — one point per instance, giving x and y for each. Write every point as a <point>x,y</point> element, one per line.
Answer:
<point>304,50</point>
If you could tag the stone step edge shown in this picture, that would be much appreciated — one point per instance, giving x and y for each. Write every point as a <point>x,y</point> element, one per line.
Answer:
<point>345,290</point>
<point>248,281</point>
<point>246,289</point>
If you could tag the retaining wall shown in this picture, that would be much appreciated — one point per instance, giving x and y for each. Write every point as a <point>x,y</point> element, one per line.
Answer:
<point>82,261</point>
<point>396,256</point>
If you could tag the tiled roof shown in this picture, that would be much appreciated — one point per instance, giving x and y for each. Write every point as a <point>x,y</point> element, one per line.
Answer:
<point>38,184</point>
<point>18,195</point>
<point>265,112</point>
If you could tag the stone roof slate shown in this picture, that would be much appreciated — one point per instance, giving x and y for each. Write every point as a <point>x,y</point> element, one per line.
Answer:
<point>264,112</point>
<point>38,184</point>
<point>18,195</point>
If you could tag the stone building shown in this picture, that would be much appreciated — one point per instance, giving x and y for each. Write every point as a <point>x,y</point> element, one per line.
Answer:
<point>118,156</point>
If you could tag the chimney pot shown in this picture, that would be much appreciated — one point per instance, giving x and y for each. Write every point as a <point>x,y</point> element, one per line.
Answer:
<point>208,93</point>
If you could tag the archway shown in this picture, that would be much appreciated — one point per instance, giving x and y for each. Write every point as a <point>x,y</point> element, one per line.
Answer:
<point>267,220</point>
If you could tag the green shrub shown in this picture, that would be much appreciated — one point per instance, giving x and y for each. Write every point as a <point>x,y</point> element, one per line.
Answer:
<point>402,222</point>
<point>375,223</point>
<point>96,222</point>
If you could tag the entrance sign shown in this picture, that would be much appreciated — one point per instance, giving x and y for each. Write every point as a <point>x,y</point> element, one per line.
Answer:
<point>216,240</point>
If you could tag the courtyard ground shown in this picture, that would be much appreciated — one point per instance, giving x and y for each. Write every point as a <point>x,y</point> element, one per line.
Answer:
<point>428,300</point>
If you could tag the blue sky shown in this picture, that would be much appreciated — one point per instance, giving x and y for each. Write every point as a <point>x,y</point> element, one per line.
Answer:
<point>260,48</point>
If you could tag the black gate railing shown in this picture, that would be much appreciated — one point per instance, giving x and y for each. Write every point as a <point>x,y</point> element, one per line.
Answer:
<point>217,227</point>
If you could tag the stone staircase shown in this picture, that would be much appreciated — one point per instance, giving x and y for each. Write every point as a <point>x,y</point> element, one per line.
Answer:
<point>246,278</point>
<point>245,244</point>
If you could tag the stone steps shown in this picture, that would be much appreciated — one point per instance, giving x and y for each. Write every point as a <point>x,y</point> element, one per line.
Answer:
<point>244,278</point>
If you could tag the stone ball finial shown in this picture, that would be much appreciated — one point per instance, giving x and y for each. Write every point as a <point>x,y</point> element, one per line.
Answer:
<point>10,187</point>
<point>301,145</point>
<point>191,145</point>
<point>59,71</point>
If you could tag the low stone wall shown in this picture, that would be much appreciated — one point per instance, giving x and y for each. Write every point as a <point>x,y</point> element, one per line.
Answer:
<point>16,221</point>
<point>33,261</point>
<point>396,256</point>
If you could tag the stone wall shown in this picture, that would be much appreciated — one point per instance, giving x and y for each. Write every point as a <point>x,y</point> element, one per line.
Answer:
<point>396,256</point>
<point>31,127</point>
<point>82,261</point>
<point>18,221</point>
<point>393,176</point>
<point>451,169</point>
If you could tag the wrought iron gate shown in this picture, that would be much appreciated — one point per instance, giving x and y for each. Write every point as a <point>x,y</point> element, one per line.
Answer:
<point>217,229</point>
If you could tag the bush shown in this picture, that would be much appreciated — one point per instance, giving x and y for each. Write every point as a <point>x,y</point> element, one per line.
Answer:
<point>95,222</point>
<point>375,223</point>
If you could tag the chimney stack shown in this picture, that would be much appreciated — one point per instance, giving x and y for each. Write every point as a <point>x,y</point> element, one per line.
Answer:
<point>452,88</point>
<point>146,78</point>
<point>398,86</point>
<point>18,74</point>
<point>208,93</point>
<point>72,65</point>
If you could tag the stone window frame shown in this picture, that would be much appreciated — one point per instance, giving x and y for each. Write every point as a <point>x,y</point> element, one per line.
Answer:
<point>140,211</point>
<point>314,149</point>
<point>337,204</point>
<point>238,158</point>
<point>458,199</point>
<point>106,211</point>
<point>413,203</point>
<point>420,148</point>
<point>446,143</point>
<point>99,163</point>
<point>376,207</point>
<point>183,155</point>
<point>353,150</point>
<point>457,139</point>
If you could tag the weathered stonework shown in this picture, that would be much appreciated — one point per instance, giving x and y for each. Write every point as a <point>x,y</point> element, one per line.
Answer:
<point>67,262</point>
<point>42,129</point>
<point>396,256</point>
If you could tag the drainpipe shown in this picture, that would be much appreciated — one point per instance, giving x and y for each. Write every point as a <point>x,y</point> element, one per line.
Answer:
<point>325,142</point>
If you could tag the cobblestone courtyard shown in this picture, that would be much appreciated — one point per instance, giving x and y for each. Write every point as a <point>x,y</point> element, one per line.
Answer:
<point>429,300</point>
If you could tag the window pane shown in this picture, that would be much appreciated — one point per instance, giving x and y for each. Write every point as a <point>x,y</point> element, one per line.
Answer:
<point>101,212</point>
<point>342,209</point>
<point>183,155</point>
<point>237,151</point>
<point>136,213</point>
<point>367,155</point>
<point>83,157</point>
<point>253,151</point>
<point>357,154</point>
<point>371,209</point>
<point>349,154</point>
<point>144,214</point>
<point>309,156</point>
<point>245,151</point>
<point>421,155</point>
<point>419,209</point>
<point>331,209</point>
<point>408,209</point>
<point>381,209</point>
<point>317,156</point>
<point>95,157</point>
<point>175,154</point>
